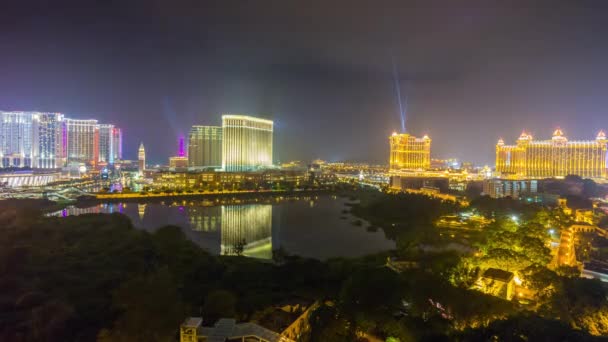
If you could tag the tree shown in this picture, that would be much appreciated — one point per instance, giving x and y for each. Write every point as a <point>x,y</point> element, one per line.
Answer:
<point>150,307</point>
<point>219,304</point>
<point>371,290</point>
<point>540,279</point>
<point>505,259</point>
<point>327,325</point>
<point>582,303</point>
<point>524,327</point>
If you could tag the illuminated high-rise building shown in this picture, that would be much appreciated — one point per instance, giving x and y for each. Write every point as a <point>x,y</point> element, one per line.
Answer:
<point>141,158</point>
<point>246,143</point>
<point>82,141</point>
<point>16,138</point>
<point>557,157</point>
<point>409,152</point>
<point>31,139</point>
<point>48,143</point>
<point>205,147</point>
<point>107,140</point>
<point>117,143</point>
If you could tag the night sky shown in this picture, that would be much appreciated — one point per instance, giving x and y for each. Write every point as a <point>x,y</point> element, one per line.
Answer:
<point>322,70</point>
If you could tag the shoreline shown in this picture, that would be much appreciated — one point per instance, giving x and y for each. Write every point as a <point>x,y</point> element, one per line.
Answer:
<point>138,198</point>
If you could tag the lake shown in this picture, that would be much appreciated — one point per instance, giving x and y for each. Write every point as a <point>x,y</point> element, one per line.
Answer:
<point>316,227</point>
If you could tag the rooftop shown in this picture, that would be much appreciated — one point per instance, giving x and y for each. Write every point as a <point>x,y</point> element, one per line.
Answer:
<point>498,274</point>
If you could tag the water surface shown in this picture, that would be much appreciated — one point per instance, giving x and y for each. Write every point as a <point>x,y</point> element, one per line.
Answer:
<point>315,227</point>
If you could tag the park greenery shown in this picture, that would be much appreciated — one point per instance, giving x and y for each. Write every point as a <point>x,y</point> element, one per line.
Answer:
<point>96,277</point>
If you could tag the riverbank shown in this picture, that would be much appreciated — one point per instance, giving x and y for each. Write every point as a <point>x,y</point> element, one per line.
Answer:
<point>148,197</point>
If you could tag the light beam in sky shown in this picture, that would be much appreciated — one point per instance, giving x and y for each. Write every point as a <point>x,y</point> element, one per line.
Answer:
<point>402,108</point>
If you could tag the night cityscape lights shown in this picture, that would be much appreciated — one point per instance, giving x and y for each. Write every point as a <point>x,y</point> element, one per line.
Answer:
<point>50,140</point>
<point>557,157</point>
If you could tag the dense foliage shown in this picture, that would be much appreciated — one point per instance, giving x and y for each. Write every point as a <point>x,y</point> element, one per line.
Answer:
<point>96,277</point>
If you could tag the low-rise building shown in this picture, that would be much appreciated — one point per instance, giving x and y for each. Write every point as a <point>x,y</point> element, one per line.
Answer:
<point>584,215</point>
<point>497,282</point>
<point>178,162</point>
<point>183,180</point>
<point>499,188</point>
<point>226,329</point>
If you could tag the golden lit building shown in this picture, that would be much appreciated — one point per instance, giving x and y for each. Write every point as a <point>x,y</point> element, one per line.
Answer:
<point>246,143</point>
<point>178,162</point>
<point>409,152</point>
<point>557,157</point>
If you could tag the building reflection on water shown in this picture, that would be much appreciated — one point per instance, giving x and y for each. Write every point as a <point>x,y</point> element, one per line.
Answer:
<point>247,230</point>
<point>306,226</point>
<point>141,210</point>
<point>204,219</point>
<point>244,229</point>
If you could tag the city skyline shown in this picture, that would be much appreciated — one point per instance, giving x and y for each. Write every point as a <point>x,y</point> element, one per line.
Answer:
<point>46,140</point>
<point>491,69</point>
<point>111,147</point>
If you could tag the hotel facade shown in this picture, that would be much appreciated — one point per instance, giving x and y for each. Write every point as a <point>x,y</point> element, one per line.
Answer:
<point>49,140</point>
<point>205,147</point>
<point>408,152</point>
<point>556,157</point>
<point>110,143</point>
<point>31,139</point>
<point>246,143</point>
<point>82,143</point>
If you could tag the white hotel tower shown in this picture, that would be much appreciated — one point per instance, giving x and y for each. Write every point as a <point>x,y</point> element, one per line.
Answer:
<point>32,139</point>
<point>246,144</point>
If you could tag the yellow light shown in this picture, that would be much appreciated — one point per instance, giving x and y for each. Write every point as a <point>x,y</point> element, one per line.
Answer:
<point>517,280</point>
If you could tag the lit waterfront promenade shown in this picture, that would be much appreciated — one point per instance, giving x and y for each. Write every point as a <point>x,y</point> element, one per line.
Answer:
<point>139,195</point>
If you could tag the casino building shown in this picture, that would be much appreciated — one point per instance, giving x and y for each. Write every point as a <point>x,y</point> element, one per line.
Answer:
<point>246,143</point>
<point>205,147</point>
<point>409,152</point>
<point>557,157</point>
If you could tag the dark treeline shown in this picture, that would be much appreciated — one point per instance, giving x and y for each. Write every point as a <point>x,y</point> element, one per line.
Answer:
<point>95,277</point>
